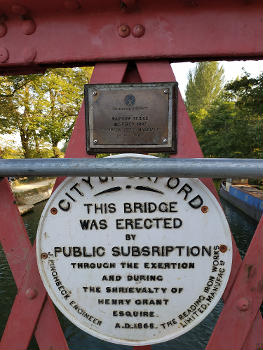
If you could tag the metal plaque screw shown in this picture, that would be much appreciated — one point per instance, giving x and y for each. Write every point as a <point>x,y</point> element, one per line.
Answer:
<point>95,141</point>
<point>44,255</point>
<point>94,93</point>
<point>164,140</point>
<point>204,209</point>
<point>165,91</point>
<point>223,248</point>
<point>53,211</point>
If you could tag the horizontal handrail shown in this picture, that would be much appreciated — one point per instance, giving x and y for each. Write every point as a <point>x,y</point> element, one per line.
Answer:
<point>134,166</point>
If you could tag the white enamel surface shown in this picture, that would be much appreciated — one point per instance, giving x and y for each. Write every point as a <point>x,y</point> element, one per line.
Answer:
<point>169,317</point>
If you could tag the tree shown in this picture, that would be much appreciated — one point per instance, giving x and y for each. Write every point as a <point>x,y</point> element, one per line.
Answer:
<point>246,92</point>
<point>42,108</point>
<point>204,86</point>
<point>16,108</point>
<point>61,93</point>
<point>234,123</point>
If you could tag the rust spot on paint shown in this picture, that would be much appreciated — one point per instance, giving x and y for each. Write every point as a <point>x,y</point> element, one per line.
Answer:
<point>3,29</point>
<point>204,209</point>
<point>223,248</point>
<point>53,211</point>
<point>44,255</point>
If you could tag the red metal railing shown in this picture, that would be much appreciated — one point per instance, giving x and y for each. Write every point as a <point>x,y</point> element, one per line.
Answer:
<point>39,34</point>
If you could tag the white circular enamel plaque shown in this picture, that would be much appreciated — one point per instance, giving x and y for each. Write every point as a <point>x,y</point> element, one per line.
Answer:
<point>134,260</point>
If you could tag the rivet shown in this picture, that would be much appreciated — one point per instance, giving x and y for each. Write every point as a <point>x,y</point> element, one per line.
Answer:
<point>18,9</point>
<point>28,26</point>
<point>95,141</point>
<point>164,140</point>
<point>31,293</point>
<point>124,30</point>
<point>165,91</point>
<point>223,248</point>
<point>4,54</point>
<point>53,211</point>
<point>94,93</point>
<point>138,30</point>
<point>44,255</point>
<point>71,5</point>
<point>29,54</point>
<point>3,30</point>
<point>242,304</point>
<point>204,209</point>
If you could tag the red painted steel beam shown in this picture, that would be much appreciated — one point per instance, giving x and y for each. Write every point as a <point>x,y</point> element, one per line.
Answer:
<point>246,280</point>
<point>241,315</point>
<point>38,34</point>
<point>31,293</point>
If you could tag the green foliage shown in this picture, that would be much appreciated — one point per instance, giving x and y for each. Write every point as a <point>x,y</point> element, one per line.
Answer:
<point>42,108</point>
<point>9,150</point>
<point>204,86</point>
<point>233,124</point>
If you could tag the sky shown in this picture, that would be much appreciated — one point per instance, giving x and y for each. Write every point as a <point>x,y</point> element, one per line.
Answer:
<point>232,71</point>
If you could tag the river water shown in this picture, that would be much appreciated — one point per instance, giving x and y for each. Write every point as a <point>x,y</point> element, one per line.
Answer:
<point>242,228</point>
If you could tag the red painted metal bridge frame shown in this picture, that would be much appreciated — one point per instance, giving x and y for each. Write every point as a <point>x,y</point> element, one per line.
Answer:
<point>127,41</point>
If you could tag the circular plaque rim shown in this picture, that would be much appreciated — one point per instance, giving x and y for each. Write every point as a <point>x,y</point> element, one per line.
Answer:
<point>76,322</point>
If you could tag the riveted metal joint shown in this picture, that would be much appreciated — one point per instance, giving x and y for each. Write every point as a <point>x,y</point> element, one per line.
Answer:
<point>138,30</point>
<point>124,30</point>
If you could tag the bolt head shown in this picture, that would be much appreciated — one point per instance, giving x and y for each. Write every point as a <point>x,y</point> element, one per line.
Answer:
<point>94,93</point>
<point>165,91</point>
<point>164,140</point>
<point>243,304</point>
<point>31,293</point>
<point>95,141</point>
<point>124,30</point>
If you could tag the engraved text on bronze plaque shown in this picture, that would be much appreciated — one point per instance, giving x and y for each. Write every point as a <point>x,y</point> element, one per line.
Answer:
<point>135,117</point>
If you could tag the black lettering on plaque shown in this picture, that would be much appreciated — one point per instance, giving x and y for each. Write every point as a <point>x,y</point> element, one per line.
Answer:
<point>62,206</point>
<point>186,189</point>
<point>196,202</point>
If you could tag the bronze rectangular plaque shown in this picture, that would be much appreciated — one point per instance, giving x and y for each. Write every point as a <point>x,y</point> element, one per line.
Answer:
<point>131,117</point>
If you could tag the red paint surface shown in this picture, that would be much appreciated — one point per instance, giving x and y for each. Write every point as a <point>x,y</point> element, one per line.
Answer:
<point>22,261</point>
<point>88,32</point>
<point>234,324</point>
<point>235,329</point>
